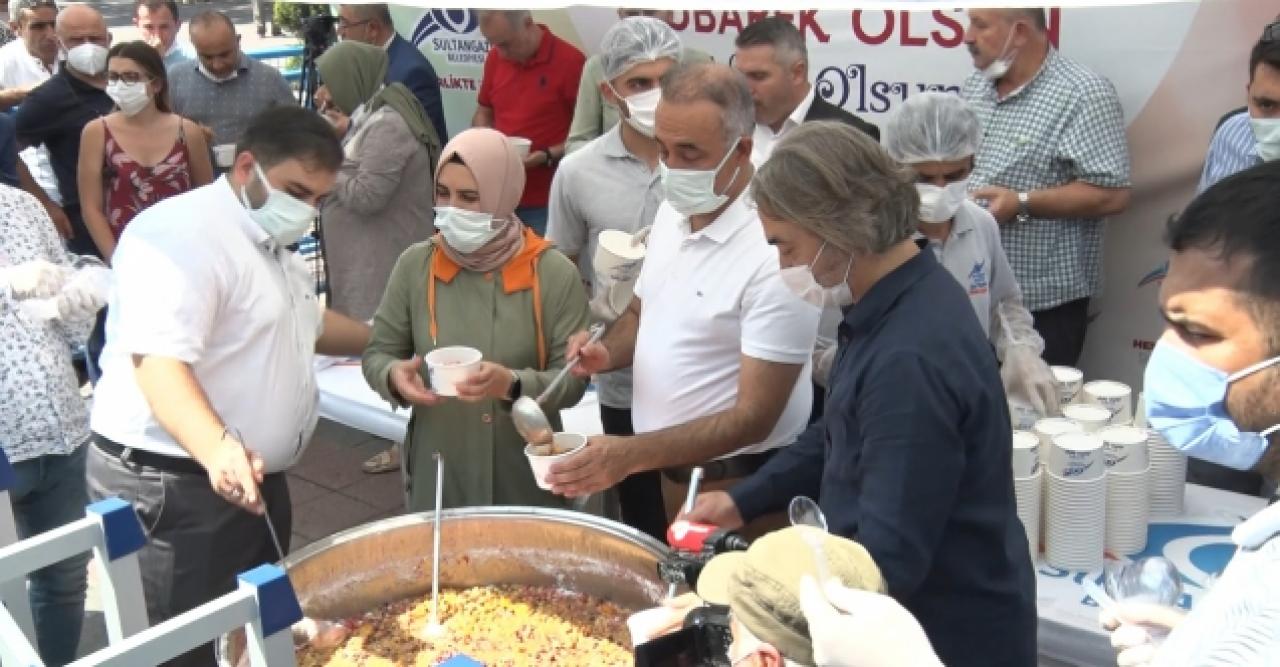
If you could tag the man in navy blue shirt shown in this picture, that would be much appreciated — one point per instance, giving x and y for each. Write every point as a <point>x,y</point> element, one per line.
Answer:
<point>912,456</point>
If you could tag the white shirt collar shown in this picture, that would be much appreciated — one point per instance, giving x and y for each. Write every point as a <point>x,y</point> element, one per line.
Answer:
<point>734,217</point>
<point>255,233</point>
<point>1258,529</point>
<point>390,39</point>
<point>802,110</point>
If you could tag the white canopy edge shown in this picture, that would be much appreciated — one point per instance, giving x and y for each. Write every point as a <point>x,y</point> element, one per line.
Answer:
<point>763,5</point>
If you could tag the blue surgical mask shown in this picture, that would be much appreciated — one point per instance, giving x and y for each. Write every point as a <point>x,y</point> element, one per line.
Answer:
<point>282,216</point>
<point>1186,402</point>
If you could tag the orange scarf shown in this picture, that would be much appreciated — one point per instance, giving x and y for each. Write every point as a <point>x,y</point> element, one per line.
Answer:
<point>520,273</point>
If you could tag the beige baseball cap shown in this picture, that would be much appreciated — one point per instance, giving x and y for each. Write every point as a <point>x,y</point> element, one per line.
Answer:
<point>761,585</point>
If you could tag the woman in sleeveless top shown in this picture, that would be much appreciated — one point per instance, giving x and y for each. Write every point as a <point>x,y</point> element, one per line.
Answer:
<point>139,154</point>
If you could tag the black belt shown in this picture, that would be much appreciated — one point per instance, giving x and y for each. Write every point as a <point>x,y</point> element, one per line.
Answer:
<point>129,455</point>
<point>734,467</point>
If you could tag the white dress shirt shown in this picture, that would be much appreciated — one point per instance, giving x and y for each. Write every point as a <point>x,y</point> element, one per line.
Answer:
<point>18,69</point>
<point>764,138</point>
<point>197,280</point>
<point>707,298</point>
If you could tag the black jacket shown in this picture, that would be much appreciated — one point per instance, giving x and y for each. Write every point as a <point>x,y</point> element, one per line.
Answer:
<point>824,110</point>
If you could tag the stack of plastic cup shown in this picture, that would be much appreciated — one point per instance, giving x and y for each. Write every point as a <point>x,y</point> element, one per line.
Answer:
<point>1028,486</point>
<point>1128,492</point>
<point>1114,396</point>
<point>1091,418</point>
<point>1075,502</point>
<point>1070,380</point>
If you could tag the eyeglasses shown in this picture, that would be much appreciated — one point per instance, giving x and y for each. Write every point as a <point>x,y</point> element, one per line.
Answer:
<point>347,25</point>
<point>127,77</point>
<point>1271,33</point>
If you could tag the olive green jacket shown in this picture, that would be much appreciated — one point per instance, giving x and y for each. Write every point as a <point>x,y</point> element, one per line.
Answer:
<point>484,462</point>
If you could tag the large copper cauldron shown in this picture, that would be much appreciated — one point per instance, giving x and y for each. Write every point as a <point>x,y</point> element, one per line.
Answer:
<point>363,567</point>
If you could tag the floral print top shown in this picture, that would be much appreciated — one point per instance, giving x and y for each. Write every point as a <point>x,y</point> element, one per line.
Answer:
<point>129,187</point>
<point>41,411</point>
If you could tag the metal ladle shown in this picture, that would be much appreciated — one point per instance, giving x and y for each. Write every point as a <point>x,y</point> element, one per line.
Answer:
<point>527,413</point>
<point>803,511</point>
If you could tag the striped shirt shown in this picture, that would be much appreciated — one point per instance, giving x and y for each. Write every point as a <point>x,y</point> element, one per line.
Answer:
<point>1233,149</point>
<point>1064,125</point>
<point>1238,623</point>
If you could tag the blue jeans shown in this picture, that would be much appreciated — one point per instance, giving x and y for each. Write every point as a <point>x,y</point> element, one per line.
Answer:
<point>534,217</point>
<point>51,491</point>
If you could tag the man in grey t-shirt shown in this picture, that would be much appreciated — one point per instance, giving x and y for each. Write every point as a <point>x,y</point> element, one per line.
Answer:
<point>612,183</point>
<point>223,89</point>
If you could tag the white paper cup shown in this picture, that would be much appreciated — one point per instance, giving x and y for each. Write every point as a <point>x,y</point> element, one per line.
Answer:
<point>447,366</point>
<point>522,146</point>
<point>565,443</point>
<point>1077,457</point>
<point>224,155</point>
<point>1026,454</point>
<point>1114,396</point>
<point>1070,380</point>
<point>1125,448</point>
<point>646,623</point>
<point>1091,418</point>
<point>1051,427</point>
<point>616,257</point>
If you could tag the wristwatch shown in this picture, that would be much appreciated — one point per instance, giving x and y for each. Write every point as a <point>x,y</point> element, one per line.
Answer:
<point>1024,207</point>
<point>514,392</point>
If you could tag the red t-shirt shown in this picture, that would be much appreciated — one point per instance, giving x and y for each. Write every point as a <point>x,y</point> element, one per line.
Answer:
<point>534,100</point>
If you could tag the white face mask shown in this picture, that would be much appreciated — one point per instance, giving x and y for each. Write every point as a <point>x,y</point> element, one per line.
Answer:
<point>210,76</point>
<point>693,191</point>
<point>465,231</point>
<point>1267,132</point>
<point>130,97</point>
<point>802,283</point>
<point>1000,66</point>
<point>940,204</point>
<point>88,59</point>
<point>642,110</point>
<point>282,216</point>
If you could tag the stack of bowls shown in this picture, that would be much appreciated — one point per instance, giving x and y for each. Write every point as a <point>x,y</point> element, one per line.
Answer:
<point>1114,396</point>
<point>1128,499</point>
<point>1075,502</point>
<point>1028,486</point>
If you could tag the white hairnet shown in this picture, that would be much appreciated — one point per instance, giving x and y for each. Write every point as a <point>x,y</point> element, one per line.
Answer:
<point>933,127</point>
<point>639,39</point>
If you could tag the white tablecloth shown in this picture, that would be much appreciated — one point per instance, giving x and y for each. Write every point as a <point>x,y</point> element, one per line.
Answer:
<point>1199,543</point>
<point>347,399</point>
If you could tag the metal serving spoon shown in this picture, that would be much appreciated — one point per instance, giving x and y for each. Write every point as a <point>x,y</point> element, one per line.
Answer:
<point>527,413</point>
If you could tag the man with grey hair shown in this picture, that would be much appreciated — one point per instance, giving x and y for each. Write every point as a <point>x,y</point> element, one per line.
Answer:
<point>592,116</point>
<point>371,24</point>
<point>529,89</point>
<point>716,343</point>
<point>912,456</point>
<point>772,55</point>
<point>1070,171</point>
<point>612,184</point>
<point>25,64</point>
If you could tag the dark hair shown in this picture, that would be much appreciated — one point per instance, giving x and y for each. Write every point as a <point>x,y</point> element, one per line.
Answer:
<point>1267,50</point>
<point>18,8</point>
<point>150,61</point>
<point>776,32</point>
<point>1238,216</point>
<point>380,12</point>
<point>210,18</point>
<point>153,5</point>
<point>284,133</point>
<point>1039,18</point>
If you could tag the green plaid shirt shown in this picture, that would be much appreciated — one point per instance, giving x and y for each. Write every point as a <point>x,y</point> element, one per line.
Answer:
<point>1064,125</point>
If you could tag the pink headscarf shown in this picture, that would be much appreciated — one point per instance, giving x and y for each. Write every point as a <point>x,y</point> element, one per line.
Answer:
<point>499,175</point>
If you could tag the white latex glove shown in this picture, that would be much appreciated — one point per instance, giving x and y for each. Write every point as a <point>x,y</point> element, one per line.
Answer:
<point>36,279</point>
<point>1028,379</point>
<point>853,628</point>
<point>1137,629</point>
<point>85,293</point>
<point>824,356</point>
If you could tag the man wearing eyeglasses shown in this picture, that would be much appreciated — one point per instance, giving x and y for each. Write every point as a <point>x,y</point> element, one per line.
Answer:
<point>372,25</point>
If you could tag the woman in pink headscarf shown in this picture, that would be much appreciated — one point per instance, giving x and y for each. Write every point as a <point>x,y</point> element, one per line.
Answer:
<point>487,282</point>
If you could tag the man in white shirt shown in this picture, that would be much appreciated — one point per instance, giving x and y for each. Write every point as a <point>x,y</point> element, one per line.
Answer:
<point>715,340</point>
<point>609,184</point>
<point>25,63</point>
<point>159,23</point>
<point>208,392</point>
<point>772,55</point>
